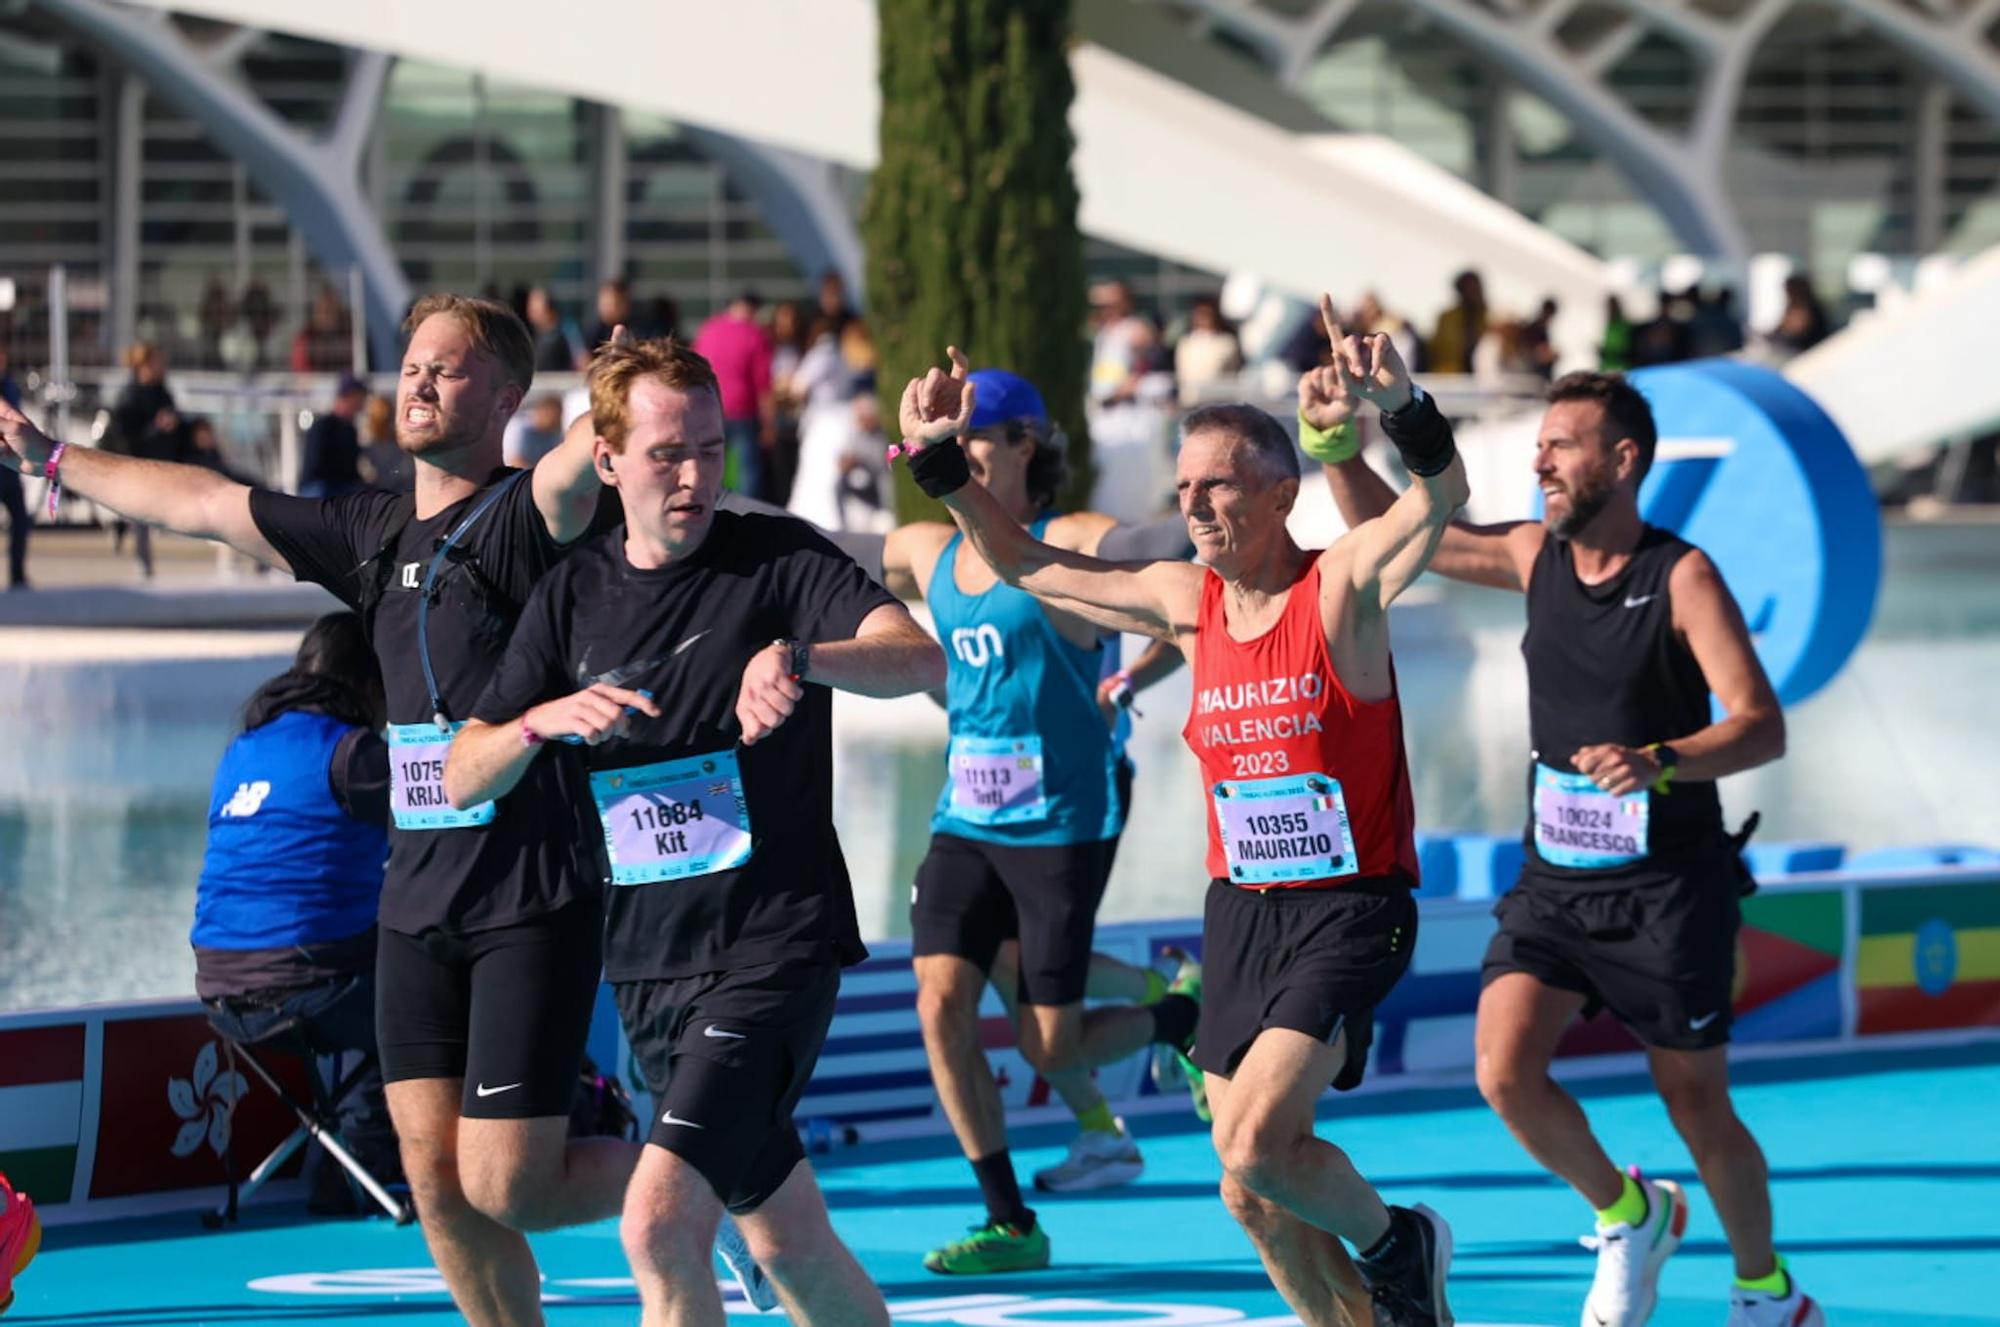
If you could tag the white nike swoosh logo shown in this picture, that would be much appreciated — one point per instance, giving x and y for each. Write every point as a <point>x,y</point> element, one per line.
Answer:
<point>1699,1023</point>
<point>1630,602</point>
<point>668,1118</point>
<point>691,640</point>
<point>486,1091</point>
<point>713,1031</point>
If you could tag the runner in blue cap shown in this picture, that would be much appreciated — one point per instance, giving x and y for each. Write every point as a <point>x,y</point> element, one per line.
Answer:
<point>1023,836</point>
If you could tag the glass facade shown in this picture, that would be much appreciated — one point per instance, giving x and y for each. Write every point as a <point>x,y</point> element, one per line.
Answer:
<point>1841,144</point>
<point>479,186</point>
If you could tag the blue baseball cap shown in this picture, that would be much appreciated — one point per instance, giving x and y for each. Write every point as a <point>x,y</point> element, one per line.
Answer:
<point>1004,397</point>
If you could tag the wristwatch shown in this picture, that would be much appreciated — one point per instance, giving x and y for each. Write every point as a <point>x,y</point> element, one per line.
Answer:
<point>798,655</point>
<point>1669,761</point>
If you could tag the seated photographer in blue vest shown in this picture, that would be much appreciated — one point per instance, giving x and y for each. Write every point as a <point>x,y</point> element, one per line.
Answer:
<point>284,921</point>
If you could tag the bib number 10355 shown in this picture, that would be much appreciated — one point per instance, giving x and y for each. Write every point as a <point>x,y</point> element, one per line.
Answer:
<point>1290,828</point>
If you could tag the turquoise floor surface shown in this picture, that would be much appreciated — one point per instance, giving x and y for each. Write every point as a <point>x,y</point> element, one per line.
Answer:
<point>1885,1166</point>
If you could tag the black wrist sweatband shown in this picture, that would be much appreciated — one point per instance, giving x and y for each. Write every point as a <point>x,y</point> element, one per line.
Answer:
<point>1423,436</point>
<point>940,469</point>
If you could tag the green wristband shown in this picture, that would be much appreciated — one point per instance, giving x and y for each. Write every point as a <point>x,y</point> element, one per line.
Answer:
<point>1328,446</point>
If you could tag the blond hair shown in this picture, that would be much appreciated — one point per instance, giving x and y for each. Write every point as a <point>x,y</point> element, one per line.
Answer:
<point>669,360</point>
<point>493,327</point>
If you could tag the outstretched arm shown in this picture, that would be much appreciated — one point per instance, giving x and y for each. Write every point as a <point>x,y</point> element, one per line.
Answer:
<point>188,499</point>
<point>1158,599</point>
<point>1500,556</point>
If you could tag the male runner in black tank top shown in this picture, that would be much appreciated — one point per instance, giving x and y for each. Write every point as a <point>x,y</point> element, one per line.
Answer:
<point>1629,898</point>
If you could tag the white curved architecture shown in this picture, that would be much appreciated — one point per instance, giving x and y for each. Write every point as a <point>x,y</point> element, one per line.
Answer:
<point>1563,54</point>
<point>1163,169</point>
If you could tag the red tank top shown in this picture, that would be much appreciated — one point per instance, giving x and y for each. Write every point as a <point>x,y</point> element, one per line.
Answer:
<point>1307,787</point>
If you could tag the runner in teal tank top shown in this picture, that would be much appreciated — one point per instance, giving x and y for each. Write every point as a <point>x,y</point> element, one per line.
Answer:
<point>1026,826</point>
<point>1031,759</point>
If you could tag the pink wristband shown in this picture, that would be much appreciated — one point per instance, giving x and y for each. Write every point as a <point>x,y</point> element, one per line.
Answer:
<point>529,737</point>
<point>54,479</point>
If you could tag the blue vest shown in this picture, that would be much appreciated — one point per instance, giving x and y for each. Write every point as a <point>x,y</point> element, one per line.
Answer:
<point>285,865</point>
<point>1012,676</point>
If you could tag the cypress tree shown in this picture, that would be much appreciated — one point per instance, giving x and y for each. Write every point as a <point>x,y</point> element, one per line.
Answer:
<point>970,221</point>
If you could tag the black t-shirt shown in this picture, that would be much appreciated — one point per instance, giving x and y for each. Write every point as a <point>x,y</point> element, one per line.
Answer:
<point>535,856</point>
<point>692,627</point>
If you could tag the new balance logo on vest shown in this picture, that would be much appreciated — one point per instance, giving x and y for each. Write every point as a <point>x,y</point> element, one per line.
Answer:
<point>247,798</point>
<point>975,645</point>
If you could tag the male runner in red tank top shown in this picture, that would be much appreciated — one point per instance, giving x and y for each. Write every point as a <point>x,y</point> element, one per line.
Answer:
<point>1309,919</point>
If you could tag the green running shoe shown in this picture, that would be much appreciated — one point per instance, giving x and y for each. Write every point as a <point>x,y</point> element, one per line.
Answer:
<point>1171,1066</point>
<point>993,1247</point>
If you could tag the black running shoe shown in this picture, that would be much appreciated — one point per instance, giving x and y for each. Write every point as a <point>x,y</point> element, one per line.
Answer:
<point>1412,1294</point>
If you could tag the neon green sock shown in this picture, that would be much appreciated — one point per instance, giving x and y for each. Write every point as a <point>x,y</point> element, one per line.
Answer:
<point>1156,986</point>
<point>1778,1283</point>
<point>1630,1209</point>
<point>1099,1119</point>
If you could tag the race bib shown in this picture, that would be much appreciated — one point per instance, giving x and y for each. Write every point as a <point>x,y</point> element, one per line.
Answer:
<point>416,780</point>
<point>1291,827</point>
<point>1577,823</point>
<point>997,780</point>
<point>673,820</point>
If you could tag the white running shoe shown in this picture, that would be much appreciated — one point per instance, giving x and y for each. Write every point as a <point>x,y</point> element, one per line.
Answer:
<point>1095,1161</point>
<point>1629,1258</point>
<point>1795,1308</point>
<point>750,1278</point>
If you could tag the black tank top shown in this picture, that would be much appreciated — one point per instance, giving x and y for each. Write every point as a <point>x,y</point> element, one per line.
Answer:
<point>1604,665</point>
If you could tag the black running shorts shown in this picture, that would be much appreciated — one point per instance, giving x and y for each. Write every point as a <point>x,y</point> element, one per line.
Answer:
<point>507,1010</point>
<point>1316,961</point>
<point>1659,953</point>
<point>727,1056</point>
<point>970,895</point>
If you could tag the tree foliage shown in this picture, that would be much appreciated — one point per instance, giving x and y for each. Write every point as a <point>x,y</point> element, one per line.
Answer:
<point>970,223</point>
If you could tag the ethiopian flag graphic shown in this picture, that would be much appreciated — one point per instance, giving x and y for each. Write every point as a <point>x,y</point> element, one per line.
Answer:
<point>1929,958</point>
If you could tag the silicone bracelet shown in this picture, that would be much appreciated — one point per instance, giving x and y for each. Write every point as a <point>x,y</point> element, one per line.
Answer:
<point>54,479</point>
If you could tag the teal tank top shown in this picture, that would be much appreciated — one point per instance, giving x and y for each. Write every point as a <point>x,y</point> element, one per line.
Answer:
<point>1031,760</point>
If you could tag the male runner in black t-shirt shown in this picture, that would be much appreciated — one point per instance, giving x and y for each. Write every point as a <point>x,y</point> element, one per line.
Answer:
<point>1629,897</point>
<point>688,656</point>
<point>491,919</point>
